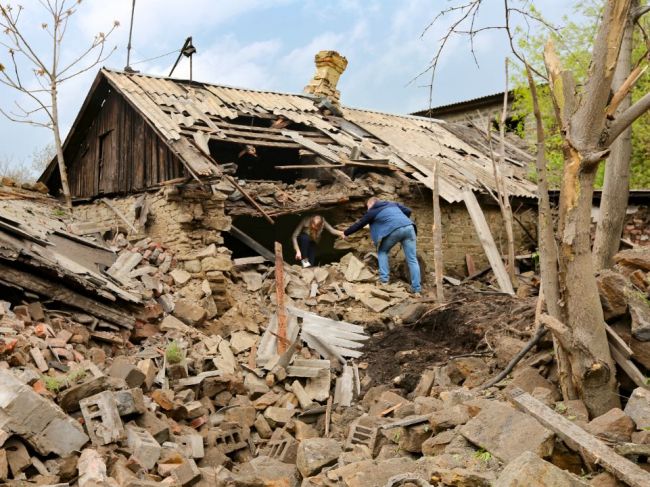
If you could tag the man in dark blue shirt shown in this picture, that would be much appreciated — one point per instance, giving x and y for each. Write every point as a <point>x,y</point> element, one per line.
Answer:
<point>389,225</point>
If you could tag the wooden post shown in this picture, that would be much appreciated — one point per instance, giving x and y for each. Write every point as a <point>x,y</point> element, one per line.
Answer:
<point>279,293</point>
<point>437,234</point>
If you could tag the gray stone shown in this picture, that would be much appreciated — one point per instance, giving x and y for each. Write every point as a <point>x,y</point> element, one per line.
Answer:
<point>316,453</point>
<point>180,276</point>
<point>612,288</point>
<point>123,369</point>
<point>614,425</point>
<point>638,408</point>
<point>269,472</point>
<point>38,420</point>
<point>640,313</point>
<point>241,341</point>
<point>506,433</point>
<point>530,470</point>
<point>189,313</point>
<point>278,416</point>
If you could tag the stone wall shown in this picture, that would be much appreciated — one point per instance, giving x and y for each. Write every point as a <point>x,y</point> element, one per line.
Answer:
<point>188,223</point>
<point>459,236</point>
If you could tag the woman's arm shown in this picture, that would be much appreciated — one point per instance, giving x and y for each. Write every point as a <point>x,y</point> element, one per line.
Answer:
<point>296,232</point>
<point>331,229</point>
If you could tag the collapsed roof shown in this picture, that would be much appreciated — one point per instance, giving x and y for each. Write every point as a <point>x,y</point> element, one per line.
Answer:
<point>190,116</point>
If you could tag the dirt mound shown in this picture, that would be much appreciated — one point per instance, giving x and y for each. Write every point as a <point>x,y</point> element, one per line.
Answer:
<point>469,323</point>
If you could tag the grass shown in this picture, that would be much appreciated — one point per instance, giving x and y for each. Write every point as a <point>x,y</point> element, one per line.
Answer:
<point>174,353</point>
<point>483,455</point>
<point>55,384</point>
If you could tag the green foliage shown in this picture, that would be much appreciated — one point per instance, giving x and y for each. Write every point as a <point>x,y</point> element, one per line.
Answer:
<point>55,384</point>
<point>483,455</point>
<point>174,353</point>
<point>573,44</point>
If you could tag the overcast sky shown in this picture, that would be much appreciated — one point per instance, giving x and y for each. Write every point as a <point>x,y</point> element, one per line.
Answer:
<point>270,44</point>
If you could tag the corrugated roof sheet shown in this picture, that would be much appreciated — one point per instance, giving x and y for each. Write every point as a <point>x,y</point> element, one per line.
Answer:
<point>411,143</point>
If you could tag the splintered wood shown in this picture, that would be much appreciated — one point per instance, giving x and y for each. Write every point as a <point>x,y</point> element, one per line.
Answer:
<point>279,292</point>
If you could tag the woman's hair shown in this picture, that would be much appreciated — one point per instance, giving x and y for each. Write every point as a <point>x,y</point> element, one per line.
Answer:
<point>315,225</point>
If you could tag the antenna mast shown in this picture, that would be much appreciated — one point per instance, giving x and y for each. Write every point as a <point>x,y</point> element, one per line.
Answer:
<point>128,47</point>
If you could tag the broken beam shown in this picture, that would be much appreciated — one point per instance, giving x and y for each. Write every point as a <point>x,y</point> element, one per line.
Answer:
<point>279,293</point>
<point>60,293</point>
<point>252,243</point>
<point>578,439</point>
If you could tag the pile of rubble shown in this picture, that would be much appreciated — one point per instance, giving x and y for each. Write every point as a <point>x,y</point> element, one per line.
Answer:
<point>193,385</point>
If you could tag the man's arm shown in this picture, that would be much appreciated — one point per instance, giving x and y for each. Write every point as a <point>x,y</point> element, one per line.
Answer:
<point>360,223</point>
<point>405,209</point>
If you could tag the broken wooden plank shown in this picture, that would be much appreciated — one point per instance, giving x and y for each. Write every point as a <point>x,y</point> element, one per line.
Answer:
<point>487,241</point>
<point>252,243</point>
<point>630,369</point>
<point>58,292</point>
<point>279,294</point>
<point>577,438</point>
<point>242,261</point>
<point>622,347</point>
<point>120,215</point>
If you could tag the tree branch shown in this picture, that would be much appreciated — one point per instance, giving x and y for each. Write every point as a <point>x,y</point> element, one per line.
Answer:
<point>625,119</point>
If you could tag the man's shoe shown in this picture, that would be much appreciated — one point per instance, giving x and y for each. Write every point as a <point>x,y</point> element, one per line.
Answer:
<point>417,294</point>
<point>305,263</point>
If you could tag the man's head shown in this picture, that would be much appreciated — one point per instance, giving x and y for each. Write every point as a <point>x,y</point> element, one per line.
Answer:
<point>371,201</point>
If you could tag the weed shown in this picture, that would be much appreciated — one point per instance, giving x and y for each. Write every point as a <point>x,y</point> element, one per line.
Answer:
<point>58,212</point>
<point>483,455</point>
<point>174,353</point>
<point>53,384</point>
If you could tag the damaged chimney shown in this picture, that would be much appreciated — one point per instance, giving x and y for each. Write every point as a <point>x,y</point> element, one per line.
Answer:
<point>329,67</point>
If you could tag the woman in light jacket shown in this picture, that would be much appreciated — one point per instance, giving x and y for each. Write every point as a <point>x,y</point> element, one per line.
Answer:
<point>307,235</point>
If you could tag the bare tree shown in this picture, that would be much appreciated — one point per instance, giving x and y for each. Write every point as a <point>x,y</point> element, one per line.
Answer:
<point>589,125</point>
<point>27,170</point>
<point>38,75</point>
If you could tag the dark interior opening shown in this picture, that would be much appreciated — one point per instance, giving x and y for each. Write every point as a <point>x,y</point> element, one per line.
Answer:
<point>258,163</point>
<point>266,234</point>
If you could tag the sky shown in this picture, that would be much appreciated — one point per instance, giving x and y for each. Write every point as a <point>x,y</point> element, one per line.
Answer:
<point>270,45</point>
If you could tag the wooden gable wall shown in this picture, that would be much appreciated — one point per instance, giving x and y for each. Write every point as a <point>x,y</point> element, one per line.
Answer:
<point>119,153</point>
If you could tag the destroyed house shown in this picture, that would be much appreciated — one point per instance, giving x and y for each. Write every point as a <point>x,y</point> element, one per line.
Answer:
<point>193,164</point>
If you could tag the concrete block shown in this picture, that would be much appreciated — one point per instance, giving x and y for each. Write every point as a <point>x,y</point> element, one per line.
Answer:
<point>187,473</point>
<point>143,446</point>
<point>123,369</point>
<point>102,418</point>
<point>226,439</point>
<point>158,428</point>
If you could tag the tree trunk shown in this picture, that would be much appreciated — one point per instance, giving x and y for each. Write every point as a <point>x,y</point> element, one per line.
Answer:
<point>585,341</point>
<point>548,260</point>
<point>59,148</point>
<point>616,188</point>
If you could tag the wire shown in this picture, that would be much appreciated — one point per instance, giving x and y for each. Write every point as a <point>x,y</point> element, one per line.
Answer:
<point>157,57</point>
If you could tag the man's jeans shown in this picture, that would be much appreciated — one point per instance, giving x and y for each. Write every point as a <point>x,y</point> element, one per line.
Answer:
<point>405,236</point>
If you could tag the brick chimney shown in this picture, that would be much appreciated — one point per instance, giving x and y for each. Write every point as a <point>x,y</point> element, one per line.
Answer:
<point>329,67</point>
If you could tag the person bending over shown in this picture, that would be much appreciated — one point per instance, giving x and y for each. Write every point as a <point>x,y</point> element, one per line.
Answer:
<point>307,235</point>
<point>389,225</point>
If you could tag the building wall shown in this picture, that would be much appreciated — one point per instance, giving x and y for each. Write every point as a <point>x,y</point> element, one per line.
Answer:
<point>459,237</point>
<point>187,223</point>
<point>119,153</point>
